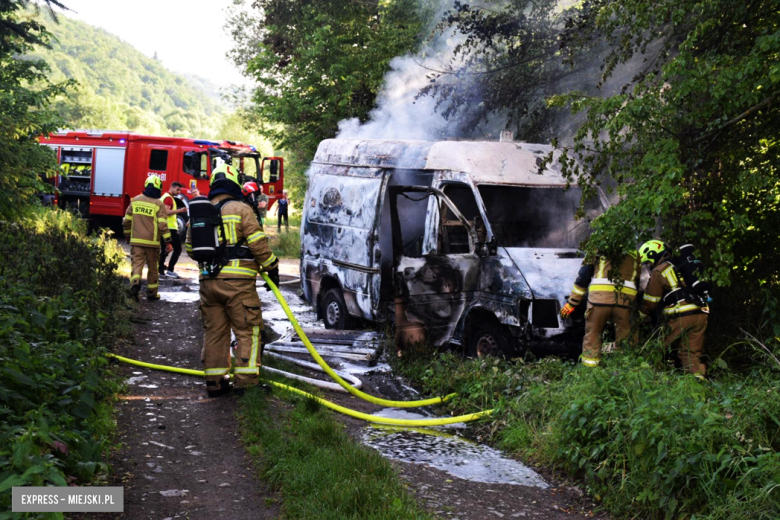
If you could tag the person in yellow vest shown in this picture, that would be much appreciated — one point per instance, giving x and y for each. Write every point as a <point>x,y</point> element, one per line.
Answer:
<point>229,300</point>
<point>686,315</point>
<point>146,221</point>
<point>607,301</point>
<point>173,226</point>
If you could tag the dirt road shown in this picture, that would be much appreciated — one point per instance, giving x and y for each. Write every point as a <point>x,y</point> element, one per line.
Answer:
<point>181,456</point>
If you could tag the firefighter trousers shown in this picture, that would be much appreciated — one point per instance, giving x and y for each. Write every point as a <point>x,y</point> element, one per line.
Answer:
<point>687,334</point>
<point>150,256</point>
<point>596,319</point>
<point>227,304</point>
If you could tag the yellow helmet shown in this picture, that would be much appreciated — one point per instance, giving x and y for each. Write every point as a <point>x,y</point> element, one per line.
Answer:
<point>652,251</point>
<point>153,181</point>
<point>224,172</point>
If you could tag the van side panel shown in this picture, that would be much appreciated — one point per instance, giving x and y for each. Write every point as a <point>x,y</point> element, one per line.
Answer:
<point>338,233</point>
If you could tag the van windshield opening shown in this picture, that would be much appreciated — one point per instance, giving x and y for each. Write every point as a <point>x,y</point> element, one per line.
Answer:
<point>537,217</point>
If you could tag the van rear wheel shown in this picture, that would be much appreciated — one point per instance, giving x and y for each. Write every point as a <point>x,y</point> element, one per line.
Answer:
<point>334,310</point>
<point>489,341</point>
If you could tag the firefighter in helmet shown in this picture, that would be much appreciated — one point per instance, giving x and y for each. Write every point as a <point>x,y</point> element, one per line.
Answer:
<point>686,314</point>
<point>144,224</point>
<point>255,197</point>
<point>229,300</point>
<point>607,301</point>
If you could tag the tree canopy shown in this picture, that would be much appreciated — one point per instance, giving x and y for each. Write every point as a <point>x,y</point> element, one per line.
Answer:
<point>25,95</point>
<point>317,63</point>
<point>119,87</point>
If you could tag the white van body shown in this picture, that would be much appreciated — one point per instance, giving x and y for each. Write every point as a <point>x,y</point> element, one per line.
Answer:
<point>466,243</point>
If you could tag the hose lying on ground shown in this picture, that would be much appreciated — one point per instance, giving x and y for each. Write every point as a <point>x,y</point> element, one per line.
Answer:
<point>332,373</point>
<point>328,370</point>
<point>333,406</point>
<point>357,383</point>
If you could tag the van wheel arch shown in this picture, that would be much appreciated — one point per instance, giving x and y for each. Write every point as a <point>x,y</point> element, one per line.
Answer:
<point>487,336</point>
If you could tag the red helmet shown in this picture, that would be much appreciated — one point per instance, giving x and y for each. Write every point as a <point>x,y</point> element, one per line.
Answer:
<point>249,187</point>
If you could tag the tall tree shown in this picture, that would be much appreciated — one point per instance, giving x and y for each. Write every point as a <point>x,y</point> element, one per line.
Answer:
<point>692,142</point>
<point>318,62</point>
<point>25,94</point>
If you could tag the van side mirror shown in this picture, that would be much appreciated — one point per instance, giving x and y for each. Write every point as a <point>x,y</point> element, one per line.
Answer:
<point>487,248</point>
<point>274,168</point>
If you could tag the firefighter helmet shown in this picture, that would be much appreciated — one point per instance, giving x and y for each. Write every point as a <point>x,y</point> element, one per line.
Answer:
<point>153,181</point>
<point>652,251</point>
<point>250,187</point>
<point>224,172</point>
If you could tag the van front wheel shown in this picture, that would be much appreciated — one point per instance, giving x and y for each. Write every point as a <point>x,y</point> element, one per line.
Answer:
<point>489,341</point>
<point>334,310</point>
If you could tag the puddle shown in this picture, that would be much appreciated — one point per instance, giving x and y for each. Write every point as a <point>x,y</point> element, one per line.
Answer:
<point>179,296</point>
<point>135,380</point>
<point>448,452</point>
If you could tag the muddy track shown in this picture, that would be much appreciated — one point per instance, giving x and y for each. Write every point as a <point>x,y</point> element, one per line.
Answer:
<point>181,455</point>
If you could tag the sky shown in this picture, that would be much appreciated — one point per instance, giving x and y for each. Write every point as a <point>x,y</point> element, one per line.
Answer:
<point>187,35</point>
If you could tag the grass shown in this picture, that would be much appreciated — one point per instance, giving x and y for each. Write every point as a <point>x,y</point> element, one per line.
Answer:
<point>303,452</point>
<point>648,442</point>
<point>287,244</point>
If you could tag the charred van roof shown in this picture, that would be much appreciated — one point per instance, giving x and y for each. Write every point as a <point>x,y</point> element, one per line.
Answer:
<point>486,162</point>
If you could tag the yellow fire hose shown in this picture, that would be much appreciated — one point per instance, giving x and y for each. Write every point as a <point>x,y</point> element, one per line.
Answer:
<point>333,406</point>
<point>328,370</point>
<point>321,362</point>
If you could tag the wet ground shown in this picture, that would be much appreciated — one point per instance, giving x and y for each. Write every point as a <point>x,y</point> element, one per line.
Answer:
<point>182,458</point>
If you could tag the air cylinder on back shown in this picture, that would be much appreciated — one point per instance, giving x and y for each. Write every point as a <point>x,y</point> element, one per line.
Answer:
<point>203,230</point>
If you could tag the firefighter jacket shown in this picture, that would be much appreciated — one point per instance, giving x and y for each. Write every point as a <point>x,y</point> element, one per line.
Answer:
<point>597,279</point>
<point>667,288</point>
<point>146,221</point>
<point>255,255</point>
<point>173,223</point>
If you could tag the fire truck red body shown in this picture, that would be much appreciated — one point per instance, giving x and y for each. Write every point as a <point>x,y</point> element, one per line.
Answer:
<point>104,169</point>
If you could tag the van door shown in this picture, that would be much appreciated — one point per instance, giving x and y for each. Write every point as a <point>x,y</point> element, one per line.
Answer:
<point>436,265</point>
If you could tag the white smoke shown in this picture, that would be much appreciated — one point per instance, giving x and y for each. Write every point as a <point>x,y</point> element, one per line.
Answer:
<point>399,113</point>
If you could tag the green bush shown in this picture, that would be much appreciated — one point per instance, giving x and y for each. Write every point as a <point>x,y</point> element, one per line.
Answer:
<point>648,442</point>
<point>61,306</point>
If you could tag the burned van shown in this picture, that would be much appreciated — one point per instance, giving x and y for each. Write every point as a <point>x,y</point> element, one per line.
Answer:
<point>472,244</point>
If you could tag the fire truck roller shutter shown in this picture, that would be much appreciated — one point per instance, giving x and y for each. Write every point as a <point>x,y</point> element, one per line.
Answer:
<point>109,172</point>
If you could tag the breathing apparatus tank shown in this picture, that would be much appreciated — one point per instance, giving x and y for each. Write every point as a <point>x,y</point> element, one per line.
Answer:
<point>691,269</point>
<point>203,230</point>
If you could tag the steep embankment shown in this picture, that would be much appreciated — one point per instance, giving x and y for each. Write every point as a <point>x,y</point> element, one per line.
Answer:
<point>121,88</point>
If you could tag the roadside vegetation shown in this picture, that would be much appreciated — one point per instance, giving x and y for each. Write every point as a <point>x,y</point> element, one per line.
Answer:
<point>62,305</point>
<point>648,441</point>
<point>302,451</point>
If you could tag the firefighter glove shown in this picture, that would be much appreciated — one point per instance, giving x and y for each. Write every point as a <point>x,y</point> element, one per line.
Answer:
<point>273,274</point>
<point>567,310</point>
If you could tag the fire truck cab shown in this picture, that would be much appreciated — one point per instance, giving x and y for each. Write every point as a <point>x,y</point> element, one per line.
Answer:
<point>103,169</point>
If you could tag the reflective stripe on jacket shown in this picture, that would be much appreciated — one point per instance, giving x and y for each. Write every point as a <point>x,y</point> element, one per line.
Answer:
<point>663,280</point>
<point>239,221</point>
<point>595,278</point>
<point>146,221</point>
<point>173,223</point>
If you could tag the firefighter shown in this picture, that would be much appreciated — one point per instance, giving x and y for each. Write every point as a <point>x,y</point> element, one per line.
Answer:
<point>229,300</point>
<point>255,197</point>
<point>686,315</point>
<point>607,301</point>
<point>173,226</point>
<point>144,224</point>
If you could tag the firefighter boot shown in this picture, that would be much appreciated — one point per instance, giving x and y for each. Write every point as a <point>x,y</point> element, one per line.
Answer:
<point>135,289</point>
<point>218,388</point>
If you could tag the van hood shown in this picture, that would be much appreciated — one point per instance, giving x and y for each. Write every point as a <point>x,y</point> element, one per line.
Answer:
<point>549,273</point>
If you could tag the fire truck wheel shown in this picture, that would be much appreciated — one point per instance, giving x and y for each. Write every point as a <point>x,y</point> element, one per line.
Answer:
<point>489,340</point>
<point>334,310</point>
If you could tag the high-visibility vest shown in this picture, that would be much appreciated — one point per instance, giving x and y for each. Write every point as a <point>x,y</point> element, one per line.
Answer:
<point>173,224</point>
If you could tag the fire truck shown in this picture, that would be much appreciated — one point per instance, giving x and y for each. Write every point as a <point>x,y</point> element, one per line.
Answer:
<point>101,170</point>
